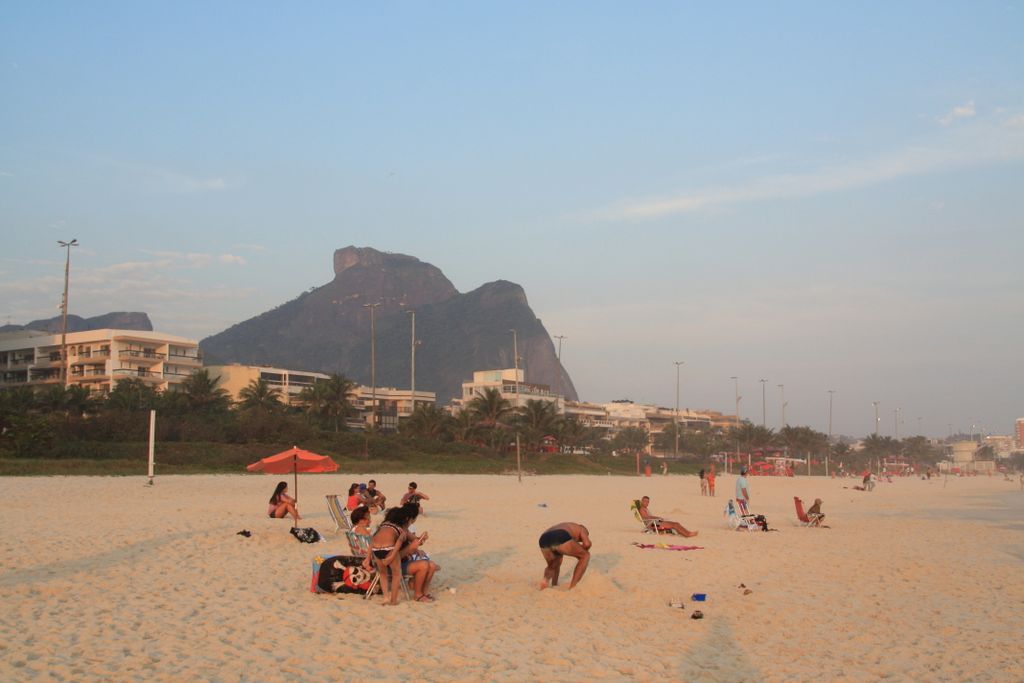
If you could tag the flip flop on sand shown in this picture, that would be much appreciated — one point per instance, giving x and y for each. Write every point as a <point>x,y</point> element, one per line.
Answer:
<point>424,598</point>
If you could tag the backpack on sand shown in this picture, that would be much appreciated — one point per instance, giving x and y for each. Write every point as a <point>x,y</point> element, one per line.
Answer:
<point>306,534</point>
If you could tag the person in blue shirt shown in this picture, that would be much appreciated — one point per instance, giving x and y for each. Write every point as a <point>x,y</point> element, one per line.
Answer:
<point>743,491</point>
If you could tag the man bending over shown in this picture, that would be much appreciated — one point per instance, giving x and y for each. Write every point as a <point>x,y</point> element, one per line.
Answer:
<point>567,538</point>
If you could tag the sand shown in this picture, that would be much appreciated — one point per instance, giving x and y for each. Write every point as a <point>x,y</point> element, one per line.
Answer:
<point>108,579</point>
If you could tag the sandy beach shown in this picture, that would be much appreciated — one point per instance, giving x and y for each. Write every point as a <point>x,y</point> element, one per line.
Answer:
<point>108,579</point>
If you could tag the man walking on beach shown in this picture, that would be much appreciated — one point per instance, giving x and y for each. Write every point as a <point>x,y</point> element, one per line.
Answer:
<point>743,491</point>
<point>567,538</point>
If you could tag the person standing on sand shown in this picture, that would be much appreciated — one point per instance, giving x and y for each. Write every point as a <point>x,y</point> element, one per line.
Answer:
<point>743,491</point>
<point>703,483</point>
<point>567,538</point>
<point>711,481</point>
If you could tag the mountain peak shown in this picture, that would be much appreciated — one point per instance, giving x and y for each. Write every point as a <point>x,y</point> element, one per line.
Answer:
<point>350,256</point>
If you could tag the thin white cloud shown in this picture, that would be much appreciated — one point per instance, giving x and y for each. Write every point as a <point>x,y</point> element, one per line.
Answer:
<point>250,247</point>
<point>1015,122</point>
<point>963,111</point>
<point>231,259</point>
<point>161,180</point>
<point>966,147</point>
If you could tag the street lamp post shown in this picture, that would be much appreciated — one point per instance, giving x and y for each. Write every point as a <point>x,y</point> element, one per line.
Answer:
<point>558,370</point>
<point>736,388</point>
<point>828,451</point>
<point>675,416</point>
<point>64,311</point>
<point>875,404</point>
<point>782,390</point>
<point>412,362</point>
<point>764,419</point>
<point>373,362</point>
<point>515,358</point>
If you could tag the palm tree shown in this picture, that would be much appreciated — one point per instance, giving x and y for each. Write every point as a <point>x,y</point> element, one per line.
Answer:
<point>427,421</point>
<point>130,395</point>
<point>538,419</point>
<point>259,394</point>
<point>329,398</point>
<point>491,409</point>
<point>464,426</point>
<point>632,440</point>
<point>203,394</point>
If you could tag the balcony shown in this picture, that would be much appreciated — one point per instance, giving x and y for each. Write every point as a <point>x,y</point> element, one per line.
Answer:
<point>138,373</point>
<point>144,355</point>
<point>179,357</point>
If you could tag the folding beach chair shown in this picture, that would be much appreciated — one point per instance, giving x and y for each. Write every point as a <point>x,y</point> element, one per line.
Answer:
<point>338,513</point>
<point>805,520</point>
<point>737,521</point>
<point>651,524</point>
<point>360,546</point>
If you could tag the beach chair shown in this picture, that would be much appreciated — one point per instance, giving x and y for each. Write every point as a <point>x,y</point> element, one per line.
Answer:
<point>739,522</point>
<point>338,513</point>
<point>360,546</point>
<point>802,516</point>
<point>651,523</point>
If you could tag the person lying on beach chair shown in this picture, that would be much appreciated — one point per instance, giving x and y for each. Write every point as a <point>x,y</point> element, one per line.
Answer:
<point>661,525</point>
<point>814,513</point>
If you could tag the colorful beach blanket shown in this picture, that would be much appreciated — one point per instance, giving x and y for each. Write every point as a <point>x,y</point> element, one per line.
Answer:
<point>667,546</point>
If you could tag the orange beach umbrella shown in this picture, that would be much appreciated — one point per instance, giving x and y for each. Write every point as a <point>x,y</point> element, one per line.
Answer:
<point>294,460</point>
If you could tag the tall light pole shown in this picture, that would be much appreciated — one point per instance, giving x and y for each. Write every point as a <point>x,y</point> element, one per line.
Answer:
<point>875,404</point>
<point>558,372</point>
<point>831,392</point>
<point>515,357</point>
<point>373,362</point>
<point>736,387</point>
<point>64,311</point>
<point>782,390</point>
<point>675,415</point>
<point>764,418</point>
<point>412,361</point>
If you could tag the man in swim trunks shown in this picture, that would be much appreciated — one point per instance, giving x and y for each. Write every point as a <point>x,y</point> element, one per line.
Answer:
<point>567,538</point>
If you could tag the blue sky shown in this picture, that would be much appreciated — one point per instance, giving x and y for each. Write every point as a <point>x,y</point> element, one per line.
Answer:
<point>825,196</point>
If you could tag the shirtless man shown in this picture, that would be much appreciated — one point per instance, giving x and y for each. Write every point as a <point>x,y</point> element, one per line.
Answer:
<point>567,538</point>
<point>663,524</point>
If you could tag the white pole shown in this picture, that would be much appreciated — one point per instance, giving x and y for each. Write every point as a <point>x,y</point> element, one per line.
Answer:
<point>152,439</point>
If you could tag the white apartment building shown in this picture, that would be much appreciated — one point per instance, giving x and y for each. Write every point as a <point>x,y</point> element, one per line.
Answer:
<point>512,385</point>
<point>97,359</point>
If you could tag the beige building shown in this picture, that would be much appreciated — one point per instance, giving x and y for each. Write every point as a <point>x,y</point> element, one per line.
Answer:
<point>392,404</point>
<point>235,377</point>
<point>97,359</point>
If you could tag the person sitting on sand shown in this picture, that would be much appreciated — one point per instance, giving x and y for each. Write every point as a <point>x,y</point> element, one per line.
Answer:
<point>354,500</point>
<point>385,547</point>
<point>567,538</point>
<point>814,512</point>
<point>415,562</point>
<point>375,498</point>
<point>413,495</point>
<point>361,521</point>
<point>663,524</point>
<point>282,504</point>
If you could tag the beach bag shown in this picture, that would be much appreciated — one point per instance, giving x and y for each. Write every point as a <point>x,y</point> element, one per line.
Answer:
<point>762,522</point>
<point>306,534</point>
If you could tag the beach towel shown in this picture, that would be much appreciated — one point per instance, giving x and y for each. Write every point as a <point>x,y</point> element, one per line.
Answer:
<point>666,546</point>
<point>340,574</point>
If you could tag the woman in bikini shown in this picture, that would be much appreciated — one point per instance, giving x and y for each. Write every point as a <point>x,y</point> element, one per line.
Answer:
<point>386,550</point>
<point>282,504</point>
<point>416,563</point>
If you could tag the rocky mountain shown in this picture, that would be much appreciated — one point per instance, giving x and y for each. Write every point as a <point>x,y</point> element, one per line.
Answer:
<point>119,321</point>
<point>328,328</point>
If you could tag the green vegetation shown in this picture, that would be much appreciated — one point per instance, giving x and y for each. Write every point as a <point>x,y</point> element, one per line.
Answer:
<point>58,431</point>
